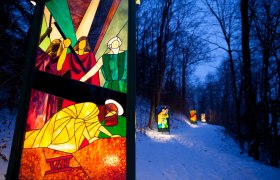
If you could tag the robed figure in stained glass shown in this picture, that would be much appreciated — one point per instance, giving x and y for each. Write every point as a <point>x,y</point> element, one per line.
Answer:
<point>67,129</point>
<point>67,62</point>
<point>68,66</point>
<point>163,118</point>
<point>39,113</point>
<point>113,66</point>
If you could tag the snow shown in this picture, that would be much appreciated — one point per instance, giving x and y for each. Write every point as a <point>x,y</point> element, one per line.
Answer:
<point>7,119</point>
<point>190,151</point>
<point>200,152</point>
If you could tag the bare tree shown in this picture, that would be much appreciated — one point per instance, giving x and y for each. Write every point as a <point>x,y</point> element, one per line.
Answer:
<point>224,11</point>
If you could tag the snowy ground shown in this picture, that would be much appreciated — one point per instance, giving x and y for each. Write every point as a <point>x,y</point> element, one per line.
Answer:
<point>195,152</point>
<point>190,151</point>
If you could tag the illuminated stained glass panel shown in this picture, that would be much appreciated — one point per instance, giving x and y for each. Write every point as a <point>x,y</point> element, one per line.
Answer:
<point>76,122</point>
<point>203,117</point>
<point>193,117</point>
<point>163,118</point>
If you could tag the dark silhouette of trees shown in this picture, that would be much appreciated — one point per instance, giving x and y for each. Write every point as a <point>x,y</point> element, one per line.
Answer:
<point>266,19</point>
<point>249,82</point>
<point>169,44</point>
<point>15,17</point>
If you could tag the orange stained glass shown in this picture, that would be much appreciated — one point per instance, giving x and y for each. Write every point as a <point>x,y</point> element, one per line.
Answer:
<point>102,159</point>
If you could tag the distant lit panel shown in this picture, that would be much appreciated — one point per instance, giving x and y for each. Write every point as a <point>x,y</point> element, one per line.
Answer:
<point>193,117</point>
<point>163,118</point>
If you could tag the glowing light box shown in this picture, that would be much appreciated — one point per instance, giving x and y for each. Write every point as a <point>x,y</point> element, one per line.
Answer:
<point>163,118</point>
<point>76,124</point>
<point>193,117</point>
<point>203,117</point>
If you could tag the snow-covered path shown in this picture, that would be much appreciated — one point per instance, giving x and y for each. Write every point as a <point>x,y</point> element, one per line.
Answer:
<point>199,151</point>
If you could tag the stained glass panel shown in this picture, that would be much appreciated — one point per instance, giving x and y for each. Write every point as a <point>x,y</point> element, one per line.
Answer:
<point>193,117</point>
<point>76,123</point>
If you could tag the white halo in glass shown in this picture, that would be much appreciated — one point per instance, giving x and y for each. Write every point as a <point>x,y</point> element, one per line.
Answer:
<point>120,108</point>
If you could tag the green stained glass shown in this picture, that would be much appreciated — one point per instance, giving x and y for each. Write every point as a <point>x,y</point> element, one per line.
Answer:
<point>60,12</point>
<point>119,129</point>
<point>114,70</point>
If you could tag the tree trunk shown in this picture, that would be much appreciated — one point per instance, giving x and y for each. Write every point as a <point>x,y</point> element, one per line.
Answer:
<point>274,157</point>
<point>184,81</point>
<point>211,99</point>
<point>249,94</point>
<point>236,98</point>
<point>152,113</point>
<point>265,82</point>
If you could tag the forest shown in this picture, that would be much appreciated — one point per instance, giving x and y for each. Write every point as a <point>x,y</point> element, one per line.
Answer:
<point>173,38</point>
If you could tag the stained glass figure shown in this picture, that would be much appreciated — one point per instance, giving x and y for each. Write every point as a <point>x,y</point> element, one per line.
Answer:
<point>63,145</point>
<point>113,65</point>
<point>67,129</point>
